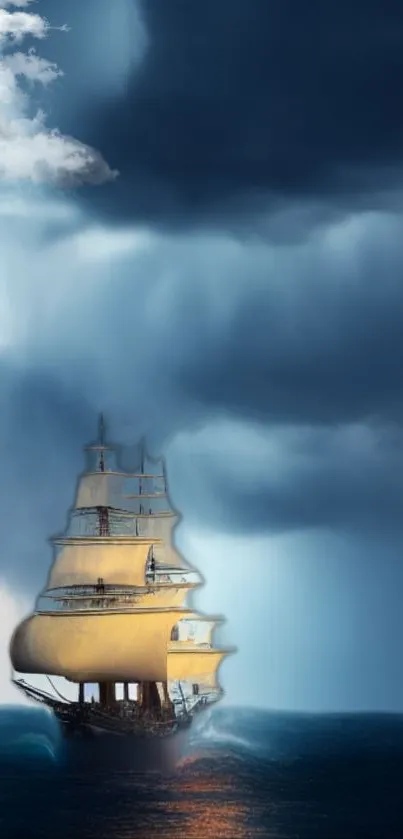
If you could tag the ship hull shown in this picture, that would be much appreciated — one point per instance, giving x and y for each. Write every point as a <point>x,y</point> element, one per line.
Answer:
<point>97,737</point>
<point>102,726</point>
<point>93,746</point>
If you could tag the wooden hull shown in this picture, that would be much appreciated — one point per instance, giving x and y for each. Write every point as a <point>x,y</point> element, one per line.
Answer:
<point>119,736</point>
<point>87,722</point>
<point>95,748</point>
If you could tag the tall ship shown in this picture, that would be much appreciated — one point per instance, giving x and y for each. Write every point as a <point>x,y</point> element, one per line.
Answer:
<point>113,621</point>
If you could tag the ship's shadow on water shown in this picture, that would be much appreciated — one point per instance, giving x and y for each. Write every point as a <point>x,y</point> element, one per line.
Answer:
<point>241,774</point>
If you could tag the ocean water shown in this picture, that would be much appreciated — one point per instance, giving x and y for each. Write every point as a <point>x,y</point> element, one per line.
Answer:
<point>245,774</point>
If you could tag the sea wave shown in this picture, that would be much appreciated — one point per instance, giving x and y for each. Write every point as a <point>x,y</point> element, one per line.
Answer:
<point>215,729</point>
<point>246,774</point>
<point>29,733</point>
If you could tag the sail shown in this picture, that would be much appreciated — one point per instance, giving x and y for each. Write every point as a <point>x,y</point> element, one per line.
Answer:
<point>197,629</point>
<point>194,665</point>
<point>100,489</point>
<point>166,556</point>
<point>96,648</point>
<point>209,682</point>
<point>79,564</point>
<point>156,526</point>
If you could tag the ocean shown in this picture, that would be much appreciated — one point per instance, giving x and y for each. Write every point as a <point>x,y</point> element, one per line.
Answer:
<point>245,774</point>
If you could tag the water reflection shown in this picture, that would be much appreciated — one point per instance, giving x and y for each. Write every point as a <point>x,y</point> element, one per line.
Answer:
<point>207,819</point>
<point>195,802</point>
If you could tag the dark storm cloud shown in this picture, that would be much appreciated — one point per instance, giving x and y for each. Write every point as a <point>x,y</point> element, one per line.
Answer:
<point>310,334</point>
<point>43,424</point>
<point>346,478</point>
<point>315,335</point>
<point>186,331</point>
<point>239,103</point>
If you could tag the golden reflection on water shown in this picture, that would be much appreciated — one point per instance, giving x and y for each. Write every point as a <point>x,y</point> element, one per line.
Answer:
<point>196,805</point>
<point>209,819</point>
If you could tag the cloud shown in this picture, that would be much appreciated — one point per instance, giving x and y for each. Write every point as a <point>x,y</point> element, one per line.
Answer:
<point>238,107</point>
<point>280,355</point>
<point>14,26</point>
<point>228,308</point>
<point>29,150</point>
<point>95,244</point>
<point>21,4</point>
<point>244,477</point>
<point>16,206</point>
<point>106,45</point>
<point>32,67</point>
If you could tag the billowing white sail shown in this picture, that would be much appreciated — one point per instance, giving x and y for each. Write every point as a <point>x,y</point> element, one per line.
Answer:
<point>96,648</point>
<point>82,562</point>
<point>198,629</point>
<point>195,665</point>
<point>100,489</point>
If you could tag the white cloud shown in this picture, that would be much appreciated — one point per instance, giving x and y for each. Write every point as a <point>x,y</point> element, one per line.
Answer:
<point>9,92</point>
<point>29,150</point>
<point>32,67</point>
<point>21,4</point>
<point>14,26</point>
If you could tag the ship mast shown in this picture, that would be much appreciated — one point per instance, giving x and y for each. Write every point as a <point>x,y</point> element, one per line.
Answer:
<point>101,442</point>
<point>106,689</point>
<point>103,514</point>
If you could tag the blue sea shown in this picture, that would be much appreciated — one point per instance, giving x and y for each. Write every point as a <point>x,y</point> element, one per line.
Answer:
<point>245,774</point>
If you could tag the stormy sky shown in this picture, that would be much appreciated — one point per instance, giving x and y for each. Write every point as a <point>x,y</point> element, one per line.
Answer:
<point>201,235</point>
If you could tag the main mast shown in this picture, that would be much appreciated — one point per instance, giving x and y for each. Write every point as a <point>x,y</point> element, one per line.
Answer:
<point>107,690</point>
<point>103,517</point>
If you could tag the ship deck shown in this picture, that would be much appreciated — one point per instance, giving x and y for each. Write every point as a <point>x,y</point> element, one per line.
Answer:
<point>124,719</point>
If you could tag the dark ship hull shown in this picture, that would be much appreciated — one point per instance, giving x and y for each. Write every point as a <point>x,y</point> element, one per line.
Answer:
<point>120,719</point>
<point>95,721</point>
<point>104,739</point>
<point>121,733</point>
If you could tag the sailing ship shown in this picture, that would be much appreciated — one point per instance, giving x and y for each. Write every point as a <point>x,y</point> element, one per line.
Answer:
<point>112,619</point>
